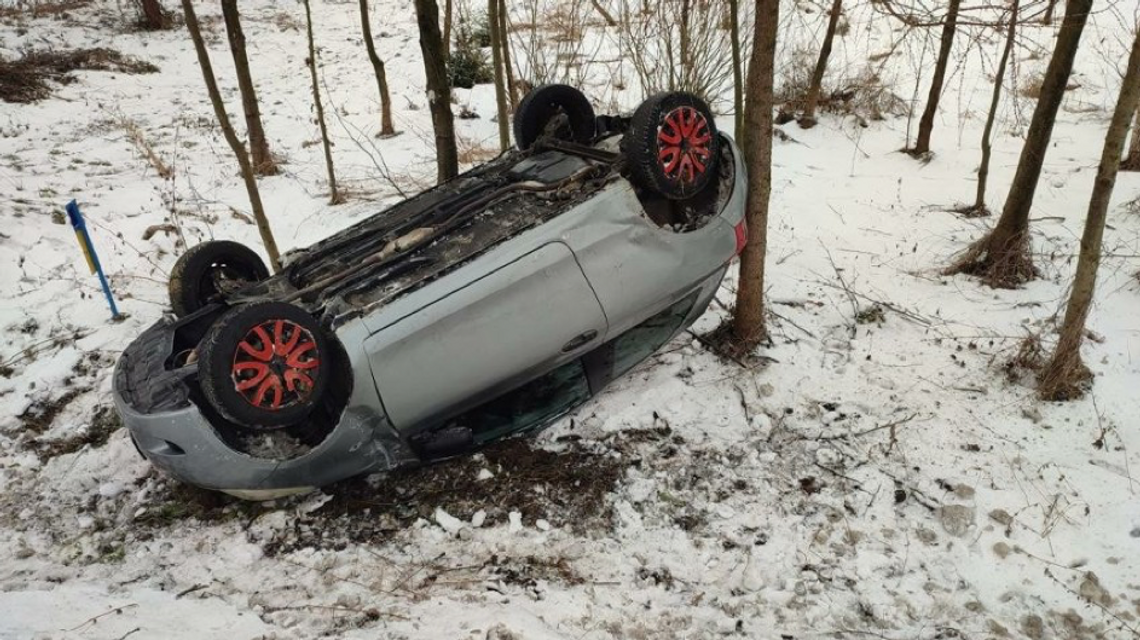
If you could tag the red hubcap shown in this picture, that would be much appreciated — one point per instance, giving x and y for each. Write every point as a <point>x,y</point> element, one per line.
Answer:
<point>683,143</point>
<point>274,365</point>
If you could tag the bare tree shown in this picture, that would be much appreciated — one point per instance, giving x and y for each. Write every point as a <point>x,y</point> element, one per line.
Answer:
<point>497,35</point>
<point>1001,257</point>
<point>737,69</point>
<point>807,120</point>
<point>228,131</point>
<point>152,16</point>
<point>926,122</point>
<point>505,45</point>
<point>979,207</point>
<point>1065,375</point>
<point>606,15</point>
<point>448,10</point>
<point>386,128</point>
<point>334,194</point>
<point>748,324</point>
<point>1132,160</point>
<point>438,89</point>
<point>258,146</point>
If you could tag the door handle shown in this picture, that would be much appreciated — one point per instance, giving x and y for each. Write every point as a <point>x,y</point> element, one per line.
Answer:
<point>579,341</point>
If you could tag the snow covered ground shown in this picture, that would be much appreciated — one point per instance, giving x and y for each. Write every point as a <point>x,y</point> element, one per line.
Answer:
<point>886,475</point>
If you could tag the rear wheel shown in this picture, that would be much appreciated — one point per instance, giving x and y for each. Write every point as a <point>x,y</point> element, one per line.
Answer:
<point>207,271</point>
<point>264,365</point>
<point>672,146</point>
<point>559,107</point>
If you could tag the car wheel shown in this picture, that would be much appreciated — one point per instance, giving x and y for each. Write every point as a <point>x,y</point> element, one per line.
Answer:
<point>542,106</point>
<point>264,365</point>
<point>672,147</point>
<point>208,270</point>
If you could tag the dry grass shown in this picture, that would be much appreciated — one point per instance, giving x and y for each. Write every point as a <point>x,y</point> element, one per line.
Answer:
<point>138,140</point>
<point>864,95</point>
<point>34,9</point>
<point>473,151</point>
<point>28,78</point>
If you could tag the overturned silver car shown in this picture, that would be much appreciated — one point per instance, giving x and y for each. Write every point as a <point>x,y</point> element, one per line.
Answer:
<point>489,305</point>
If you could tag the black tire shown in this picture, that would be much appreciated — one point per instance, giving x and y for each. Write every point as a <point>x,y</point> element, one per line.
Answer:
<point>194,281</point>
<point>256,363</point>
<point>542,104</point>
<point>664,154</point>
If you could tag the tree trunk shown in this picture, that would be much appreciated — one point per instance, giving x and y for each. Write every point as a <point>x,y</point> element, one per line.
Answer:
<point>1048,17</point>
<point>808,119</point>
<point>495,26</point>
<point>258,146</point>
<point>505,41</point>
<point>610,22</point>
<point>386,128</point>
<point>231,137</point>
<point>334,194</point>
<point>1002,256</point>
<point>438,90</point>
<point>153,17</point>
<point>926,123</point>
<point>448,9</point>
<point>1065,375</point>
<point>1132,161</point>
<point>737,70</point>
<point>979,208</point>
<point>748,324</point>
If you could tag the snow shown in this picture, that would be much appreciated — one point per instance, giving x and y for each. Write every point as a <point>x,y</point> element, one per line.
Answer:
<point>882,479</point>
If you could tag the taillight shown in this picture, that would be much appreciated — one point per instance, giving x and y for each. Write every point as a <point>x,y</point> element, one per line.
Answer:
<point>741,237</point>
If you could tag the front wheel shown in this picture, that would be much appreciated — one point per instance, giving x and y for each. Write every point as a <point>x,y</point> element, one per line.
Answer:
<point>672,147</point>
<point>265,365</point>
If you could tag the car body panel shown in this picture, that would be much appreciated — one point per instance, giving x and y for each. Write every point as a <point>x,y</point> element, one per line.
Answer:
<point>481,336</point>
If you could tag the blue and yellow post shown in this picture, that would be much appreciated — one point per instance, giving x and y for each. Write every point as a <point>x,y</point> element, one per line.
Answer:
<point>84,238</point>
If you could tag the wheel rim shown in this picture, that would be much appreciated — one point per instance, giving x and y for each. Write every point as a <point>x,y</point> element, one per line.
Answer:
<point>275,364</point>
<point>683,145</point>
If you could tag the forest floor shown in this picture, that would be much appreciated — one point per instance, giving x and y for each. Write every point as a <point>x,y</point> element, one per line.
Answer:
<point>888,474</point>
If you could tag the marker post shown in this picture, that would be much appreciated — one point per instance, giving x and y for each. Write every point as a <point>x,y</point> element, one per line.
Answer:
<point>88,249</point>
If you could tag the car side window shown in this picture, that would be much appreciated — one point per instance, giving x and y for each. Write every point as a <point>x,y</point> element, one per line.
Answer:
<point>624,352</point>
<point>640,342</point>
<point>532,404</point>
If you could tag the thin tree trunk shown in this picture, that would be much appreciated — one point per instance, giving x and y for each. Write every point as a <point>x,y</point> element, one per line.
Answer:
<point>808,119</point>
<point>979,208</point>
<point>505,41</point>
<point>334,194</point>
<point>748,323</point>
<point>438,90</point>
<point>448,9</point>
<point>685,48</point>
<point>153,17</point>
<point>386,128</point>
<point>1002,256</point>
<point>228,131</point>
<point>1048,17</point>
<point>610,22</point>
<point>1064,377</point>
<point>258,146</point>
<point>1132,160</point>
<point>737,70</point>
<point>926,122</point>
<point>497,60</point>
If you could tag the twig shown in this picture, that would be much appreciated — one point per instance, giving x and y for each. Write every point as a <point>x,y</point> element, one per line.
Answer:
<point>94,619</point>
<point>186,592</point>
<point>889,425</point>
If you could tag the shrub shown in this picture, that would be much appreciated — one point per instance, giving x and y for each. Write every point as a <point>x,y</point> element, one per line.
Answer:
<point>468,65</point>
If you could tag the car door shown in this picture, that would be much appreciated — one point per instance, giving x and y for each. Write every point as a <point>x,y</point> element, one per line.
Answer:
<point>499,331</point>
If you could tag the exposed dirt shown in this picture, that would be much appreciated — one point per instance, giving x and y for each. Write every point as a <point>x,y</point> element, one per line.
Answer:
<point>103,424</point>
<point>567,488</point>
<point>40,415</point>
<point>28,78</point>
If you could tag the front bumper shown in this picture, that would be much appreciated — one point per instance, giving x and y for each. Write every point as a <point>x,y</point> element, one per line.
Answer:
<point>158,408</point>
